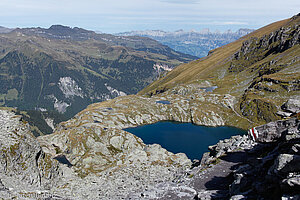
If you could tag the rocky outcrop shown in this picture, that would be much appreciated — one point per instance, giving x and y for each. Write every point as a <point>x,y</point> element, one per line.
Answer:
<point>256,49</point>
<point>23,164</point>
<point>292,106</point>
<point>27,172</point>
<point>92,149</point>
<point>272,171</point>
<point>273,131</point>
<point>94,139</point>
<point>241,168</point>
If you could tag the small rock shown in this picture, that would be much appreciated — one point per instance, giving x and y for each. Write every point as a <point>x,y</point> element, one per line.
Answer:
<point>295,149</point>
<point>238,197</point>
<point>291,184</point>
<point>195,163</point>
<point>284,114</point>
<point>292,105</point>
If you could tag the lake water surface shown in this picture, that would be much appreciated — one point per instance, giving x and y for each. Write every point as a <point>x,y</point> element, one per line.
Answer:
<point>187,138</point>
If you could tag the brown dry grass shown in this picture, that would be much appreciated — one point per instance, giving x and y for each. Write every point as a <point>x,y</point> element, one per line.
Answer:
<point>205,68</point>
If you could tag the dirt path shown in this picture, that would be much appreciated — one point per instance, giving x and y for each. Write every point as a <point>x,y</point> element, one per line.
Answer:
<point>217,177</point>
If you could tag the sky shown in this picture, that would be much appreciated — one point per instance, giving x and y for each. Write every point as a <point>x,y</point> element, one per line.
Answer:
<point>113,16</point>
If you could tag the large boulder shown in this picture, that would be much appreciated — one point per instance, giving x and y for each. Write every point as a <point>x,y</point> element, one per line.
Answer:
<point>292,105</point>
<point>272,131</point>
<point>230,145</point>
<point>291,184</point>
<point>285,164</point>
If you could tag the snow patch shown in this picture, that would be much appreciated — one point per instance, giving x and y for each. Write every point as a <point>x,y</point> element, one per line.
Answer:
<point>69,87</point>
<point>60,106</point>
<point>114,92</point>
<point>50,123</point>
<point>163,67</point>
<point>41,109</point>
<point>159,68</point>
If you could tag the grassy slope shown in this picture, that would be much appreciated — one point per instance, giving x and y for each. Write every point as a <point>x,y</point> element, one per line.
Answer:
<point>260,83</point>
<point>77,54</point>
<point>69,50</point>
<point>31,66</point>
<point>207,67</point>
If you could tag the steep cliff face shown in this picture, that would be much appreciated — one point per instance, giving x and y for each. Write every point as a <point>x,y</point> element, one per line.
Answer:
<point>256,49</point>
<point>274,58</point>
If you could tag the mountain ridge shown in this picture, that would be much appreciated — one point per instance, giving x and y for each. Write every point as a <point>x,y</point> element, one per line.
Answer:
<point>205,31</point>
<point>65,69</point>
<point>197,43</point>
<point>5,30</point>
<point>218,51</point>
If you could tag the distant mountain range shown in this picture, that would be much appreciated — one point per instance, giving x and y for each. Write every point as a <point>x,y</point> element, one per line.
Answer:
<point>65,69</point>
<point>192,42</point>
<point>5,30</point>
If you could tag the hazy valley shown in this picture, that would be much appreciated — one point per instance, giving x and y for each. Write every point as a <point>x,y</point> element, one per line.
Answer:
<point>192,42</point>
<point>63,69</point>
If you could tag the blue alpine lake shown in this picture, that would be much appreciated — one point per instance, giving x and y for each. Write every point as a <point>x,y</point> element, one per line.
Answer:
<point>163,102</point>
<point>187,138</point>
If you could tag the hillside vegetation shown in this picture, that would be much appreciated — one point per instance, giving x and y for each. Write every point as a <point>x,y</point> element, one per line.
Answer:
<point>65,69</point>
<point>261,69</point>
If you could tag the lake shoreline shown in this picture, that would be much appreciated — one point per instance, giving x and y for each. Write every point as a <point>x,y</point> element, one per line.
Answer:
<point>188,138</point>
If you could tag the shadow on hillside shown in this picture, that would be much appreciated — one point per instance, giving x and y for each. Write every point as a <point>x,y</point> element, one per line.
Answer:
<point>232,161</point>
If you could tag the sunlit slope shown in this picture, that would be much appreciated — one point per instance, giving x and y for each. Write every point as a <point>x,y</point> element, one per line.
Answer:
<point>261,70</point>
<point>65,69</point>
<point>211,66</point>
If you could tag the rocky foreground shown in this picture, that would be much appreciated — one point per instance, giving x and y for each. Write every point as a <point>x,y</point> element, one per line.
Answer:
<point>91,157</point>
<point>240,168</point>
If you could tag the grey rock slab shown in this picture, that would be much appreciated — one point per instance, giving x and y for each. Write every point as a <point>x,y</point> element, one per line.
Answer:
<point>292,105</point>
<point>273,131</point>
<point>286,163</point>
